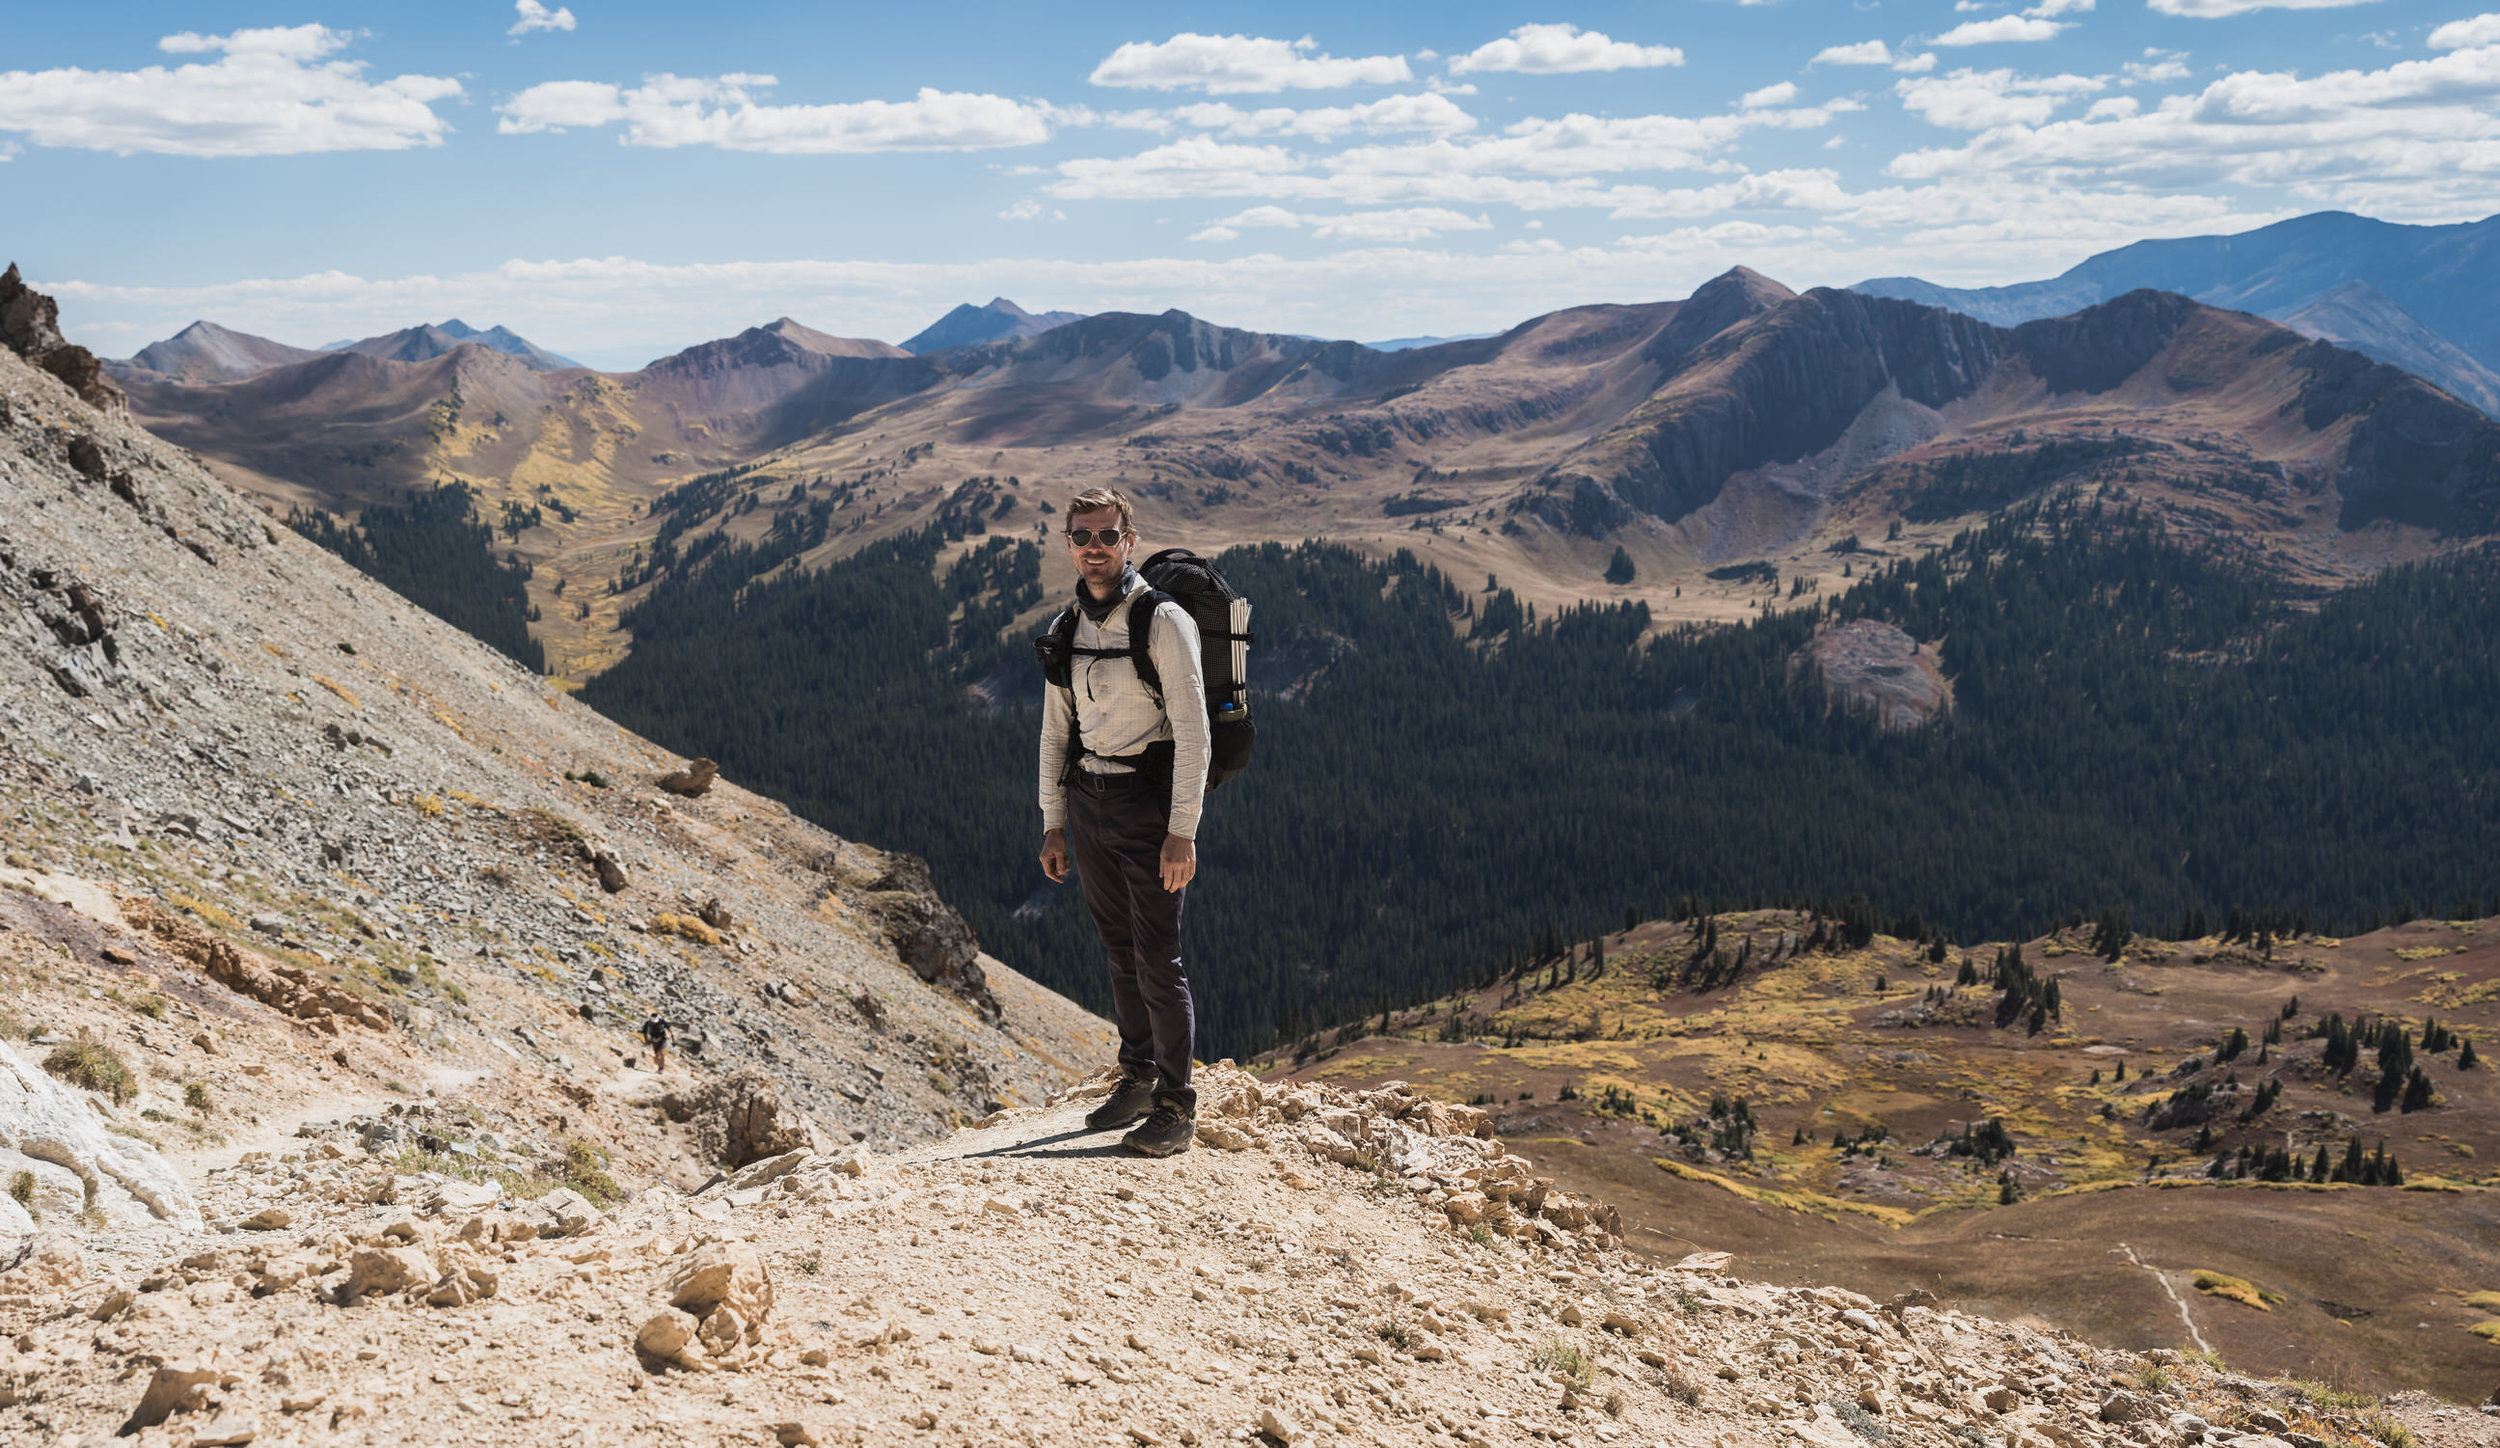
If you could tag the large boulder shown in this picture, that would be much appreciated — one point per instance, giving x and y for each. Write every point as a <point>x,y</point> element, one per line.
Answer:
<point>928,935</point>
<point>743,1118</point>
<point>53,1131</point>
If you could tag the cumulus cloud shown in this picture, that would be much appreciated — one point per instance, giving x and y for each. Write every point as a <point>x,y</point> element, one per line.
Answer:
<point>1031,210</point>
<point>1770,95</point>
<point>1865,52</point>
<point>2158,67</point>
<point>2419,138</point>
<point>2219,9</point>
<point>1427,114</point>
<point>1400,224</point>
<point>1241,65</point>
<point>669,111</point>
<point>270,92</point>
<point>1976,100</point>
<point>535,16</point>
<point>2481,30</point>
<point>2004,28</point>
<point>1537,163</point>
<point>1562,50</point>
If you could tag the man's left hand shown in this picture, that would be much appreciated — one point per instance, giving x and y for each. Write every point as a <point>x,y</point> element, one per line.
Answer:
<point>1180,862</point>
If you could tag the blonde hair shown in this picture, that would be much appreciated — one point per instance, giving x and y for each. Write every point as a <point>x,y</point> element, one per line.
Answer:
<point>1094,500</point>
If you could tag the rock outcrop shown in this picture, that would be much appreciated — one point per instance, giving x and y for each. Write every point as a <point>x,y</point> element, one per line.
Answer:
<point>54,1135</point>
<point>30,326</point>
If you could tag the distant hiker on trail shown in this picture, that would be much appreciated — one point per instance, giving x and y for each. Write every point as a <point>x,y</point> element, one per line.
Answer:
<point>655,1035</point>
<point>1124,766</point>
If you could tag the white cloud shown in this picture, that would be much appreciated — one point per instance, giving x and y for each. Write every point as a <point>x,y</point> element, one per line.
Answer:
<point>1031,210</point>
<point>1865,52</point>
<point>2049,8</point>
<point>2218,9</point>
<point>1412,223</point>
<point>1538,163</point>
<point>269,93</point>
<point>2467,34</point>
<point>1428,114</point>
<point>1770,95</point>
<point>1241,65</point>
<point>1562,50</point>
<point>535,16</point>
<point>2004,28</point>
<point>669,111</point>
<point>2158,67</point>
<point>1977,100</point>
<point>2419,139</point>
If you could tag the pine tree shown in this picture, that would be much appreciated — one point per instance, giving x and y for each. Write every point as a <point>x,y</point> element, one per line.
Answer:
<point>1619,568</point>
<point>2466,1060</point>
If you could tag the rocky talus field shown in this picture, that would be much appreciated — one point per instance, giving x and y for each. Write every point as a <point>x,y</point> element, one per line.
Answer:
<point>323,937</point>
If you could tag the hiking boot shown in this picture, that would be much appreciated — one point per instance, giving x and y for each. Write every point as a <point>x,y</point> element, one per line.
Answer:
<point>1166,1133</point>
<point>1128,1102</point>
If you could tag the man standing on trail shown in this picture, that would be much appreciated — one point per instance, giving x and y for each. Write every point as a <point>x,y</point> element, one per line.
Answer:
<point>1124,767</point>
<point>655,1035</point>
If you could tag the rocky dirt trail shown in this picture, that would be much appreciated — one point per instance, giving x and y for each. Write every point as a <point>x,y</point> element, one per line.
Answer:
<point>1319,1270</point>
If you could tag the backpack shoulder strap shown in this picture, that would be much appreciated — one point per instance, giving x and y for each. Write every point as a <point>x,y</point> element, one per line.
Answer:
<point>1141,612</point>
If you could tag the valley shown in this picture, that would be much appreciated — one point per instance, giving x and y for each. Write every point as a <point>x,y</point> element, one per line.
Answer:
<point>1825,1111</point>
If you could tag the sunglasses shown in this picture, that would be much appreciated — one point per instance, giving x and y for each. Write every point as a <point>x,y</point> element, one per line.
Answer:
<point>1096,537</point>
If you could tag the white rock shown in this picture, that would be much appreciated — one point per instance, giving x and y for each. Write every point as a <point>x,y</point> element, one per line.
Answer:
<point>47,1121</point>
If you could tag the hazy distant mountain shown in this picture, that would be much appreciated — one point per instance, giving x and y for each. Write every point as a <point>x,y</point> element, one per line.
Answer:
<point>1000,321</point>
<point>206,352</point>
<point>419,343</point>
<point>1409,344</point>
<point>2440,275</point>
<point>2361,317</point>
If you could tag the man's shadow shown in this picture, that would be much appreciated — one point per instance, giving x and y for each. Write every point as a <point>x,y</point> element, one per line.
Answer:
<point>1043,1148</point>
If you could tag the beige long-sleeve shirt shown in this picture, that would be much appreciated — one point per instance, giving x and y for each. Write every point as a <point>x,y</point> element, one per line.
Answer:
<point>1116,713</point>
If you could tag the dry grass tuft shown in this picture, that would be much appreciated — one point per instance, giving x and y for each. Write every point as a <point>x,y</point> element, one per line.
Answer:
<point>2236,1289</point>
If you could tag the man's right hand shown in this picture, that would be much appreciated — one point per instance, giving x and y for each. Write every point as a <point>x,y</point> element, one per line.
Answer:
<point>1055,854</point>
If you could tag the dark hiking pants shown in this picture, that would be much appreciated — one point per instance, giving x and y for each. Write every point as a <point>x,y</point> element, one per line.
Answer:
<point>1115,830</point>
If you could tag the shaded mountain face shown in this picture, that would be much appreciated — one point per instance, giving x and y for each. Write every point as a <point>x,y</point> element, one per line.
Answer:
<point>206,352</point>
<point>417,344</point>
<point>2365,319</point>
<point>2437,276</point>
<point>1000,321</point>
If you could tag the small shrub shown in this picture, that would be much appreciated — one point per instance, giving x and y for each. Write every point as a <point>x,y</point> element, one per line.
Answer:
<point>1690,1301</point>
<point>1557,1356</point>
<point>2388,1429</point>
<point>2328,1399</point>
<point>1861,1422</point>
<point>586,1171</point>
<point>1480,1234</point>
<point>92,1066</point>
<point>195,1096</point>
<point>2487,1301</point>
<point>1395,1334</point>
<point>2152,1378</point>
<point>812,1263</point>
<point>22,1189</point>
<point>1683,1387</point>
<point>428,806</point>
<point>2487,1331</point>
<point>151,1005</point>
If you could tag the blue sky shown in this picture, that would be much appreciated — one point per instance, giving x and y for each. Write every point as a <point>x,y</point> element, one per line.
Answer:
<point>616,180</point>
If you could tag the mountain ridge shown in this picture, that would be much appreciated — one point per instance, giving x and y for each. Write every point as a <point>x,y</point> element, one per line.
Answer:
<point>2278,271</point>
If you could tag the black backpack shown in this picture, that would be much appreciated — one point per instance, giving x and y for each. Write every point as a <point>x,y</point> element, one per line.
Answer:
<point>1179,576</point>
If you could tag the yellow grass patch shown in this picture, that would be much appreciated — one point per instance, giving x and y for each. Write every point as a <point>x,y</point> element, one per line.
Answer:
<point>1811,1204</point>
<point>210,913</point>
<point>335,687</point>
<point>2483,1301</point>
<point>2236,1289</point>
<point>689,926</point>
<point>273,650</point>
<point>428,806</point>
<point>2423,952</point>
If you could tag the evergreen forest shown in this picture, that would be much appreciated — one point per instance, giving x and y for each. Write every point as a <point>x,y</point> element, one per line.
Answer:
<point>435,551</point>
<point>1444,780</point>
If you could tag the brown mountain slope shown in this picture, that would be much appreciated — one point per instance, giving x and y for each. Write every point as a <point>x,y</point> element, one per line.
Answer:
<point>206,352</point>
<point>1744,424</point>
<point>1861,1069</point>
